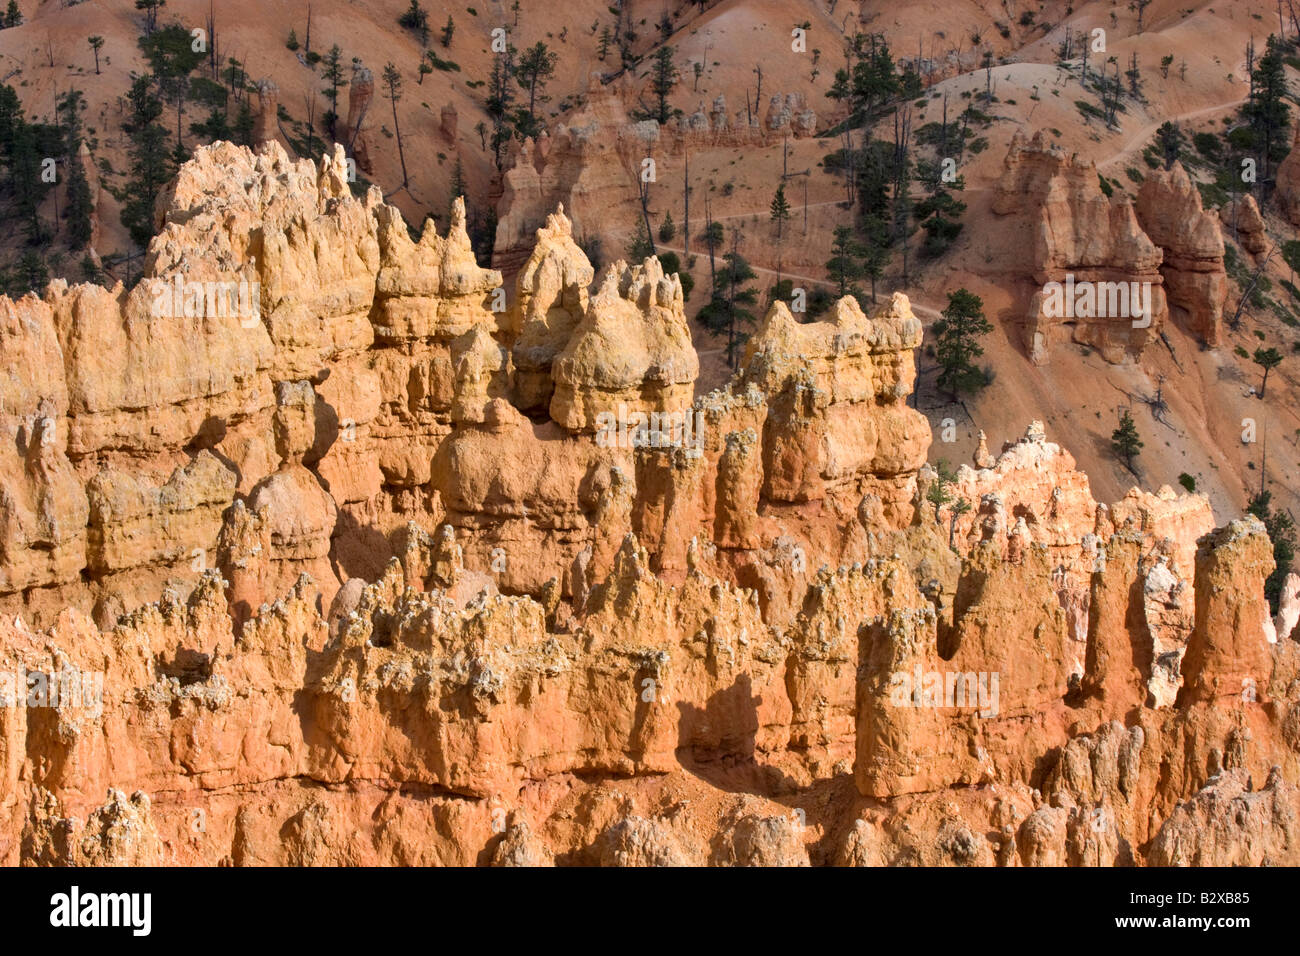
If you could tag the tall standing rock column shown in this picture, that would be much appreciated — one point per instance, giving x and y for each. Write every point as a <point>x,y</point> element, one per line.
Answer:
<point>1169,208</point>
<point>1228,653</point>
<point>360,94</point>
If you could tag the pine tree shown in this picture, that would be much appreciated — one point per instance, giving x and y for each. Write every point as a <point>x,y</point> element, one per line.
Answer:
<point>11,114</point>
<point>1291,256</point>
<point>1267,359</point>
<point>393,81</point>
<point>663,78</point>
<point>536,67</point>
<point>845,265</point>
<point>35,274</point>
<point>729,307</point>
<point>415,19</point>
<point>875,250</point>
<point>902,211</point>
<point>1125,440</point>
<point>1266,108</point>
<point>939,493</point>
<point>639,247</point>
<point>79,205</point>
<point>13,16</point>
<point>333,76</point>
<point>1141,7</point>
<point>667,228</point>
<point>448,32</point>
<point>242,129</point>
<point>871,80</point>
<point>150,8</point>
<point>458,186</point>
<point>1134,74</point>
<point>96,44</point>
<point>779,213</point>
<point>1282,532</point>
<point>1172,142</point>
<point>673,264</point>
<point>25,179</point>
<point>957,345</point>
<point>150,165</point>
<point>958,508</point>
<point>712,237</point>
<point>939,212</point>
<point>172,58</point>
<point>500,101</point>
<point>780,210</point>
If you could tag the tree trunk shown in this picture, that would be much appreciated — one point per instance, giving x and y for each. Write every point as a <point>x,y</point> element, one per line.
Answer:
<point>686,200</point>
<point>645,215</point>
<point>708,232</point>
<point>401,154</point>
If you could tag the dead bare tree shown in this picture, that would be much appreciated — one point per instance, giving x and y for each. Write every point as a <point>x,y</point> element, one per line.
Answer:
<point>686,202</point>
<point>309,100</point>
<point>708,241</point>
<point>643,189</point>
<point>1235,321</point>
<point>1156,403</point>
<point>214,61</point>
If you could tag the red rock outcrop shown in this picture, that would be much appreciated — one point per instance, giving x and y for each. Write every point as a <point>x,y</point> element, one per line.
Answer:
<point>1097,273</point>
<point>1196,283</point>
<point>1287,183</point>
<point>1243,218</point>
<point>361,92</point>
<point>311,585</point>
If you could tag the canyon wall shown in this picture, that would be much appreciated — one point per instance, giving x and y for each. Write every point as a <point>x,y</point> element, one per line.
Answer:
<point>374,563</point>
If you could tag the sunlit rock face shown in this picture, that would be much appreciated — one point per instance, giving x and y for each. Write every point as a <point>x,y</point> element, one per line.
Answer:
<point>376,564</point>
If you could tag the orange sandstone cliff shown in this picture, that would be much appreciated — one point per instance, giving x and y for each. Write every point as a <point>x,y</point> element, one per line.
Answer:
<point>378,562</point>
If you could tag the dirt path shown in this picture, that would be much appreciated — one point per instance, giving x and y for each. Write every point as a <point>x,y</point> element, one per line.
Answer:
<point>784,274</point>
<point>795,211</point>
<point>1146,132</point>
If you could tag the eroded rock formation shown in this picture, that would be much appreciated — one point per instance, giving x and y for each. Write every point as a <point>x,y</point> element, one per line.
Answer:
<point>1169,209</point>
<point>379,567</point>
<point>1097,273</point>
<point>1287,183</point>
